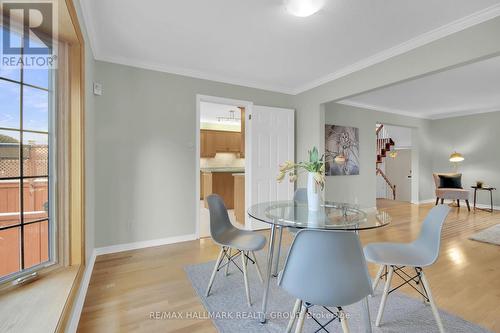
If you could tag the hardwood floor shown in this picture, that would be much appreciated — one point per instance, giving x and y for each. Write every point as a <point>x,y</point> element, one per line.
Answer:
<point>125,287</point>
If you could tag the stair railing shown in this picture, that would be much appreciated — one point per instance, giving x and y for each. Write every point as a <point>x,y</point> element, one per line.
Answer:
<point>391,186</point>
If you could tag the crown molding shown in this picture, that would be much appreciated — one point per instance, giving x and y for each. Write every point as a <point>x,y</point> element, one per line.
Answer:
<point>437,114</point>
<point>193,74</point>
<point>421,40</point>
<point>460,113</point>
<point>381,109</point>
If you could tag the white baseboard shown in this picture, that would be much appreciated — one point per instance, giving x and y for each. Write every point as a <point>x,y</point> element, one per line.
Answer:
<point>144,244</point>
<point>80,298</point>
<point>483,206</point>
<point>426,201</point>
<point>486,206</point>
<point>82,292</point>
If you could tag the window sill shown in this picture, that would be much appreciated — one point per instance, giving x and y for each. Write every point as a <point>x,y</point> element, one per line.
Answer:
<point>37,306</point>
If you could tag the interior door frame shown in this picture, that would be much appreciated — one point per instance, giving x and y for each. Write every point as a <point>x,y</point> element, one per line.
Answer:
<point>415,164</point>
<point>248,110</point>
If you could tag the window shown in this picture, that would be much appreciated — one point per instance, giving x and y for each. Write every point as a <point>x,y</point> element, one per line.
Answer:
<point>26,157</point>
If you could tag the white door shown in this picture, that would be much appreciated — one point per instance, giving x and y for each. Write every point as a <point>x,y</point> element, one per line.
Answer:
<point>271,142</point>
<point>398,170</point>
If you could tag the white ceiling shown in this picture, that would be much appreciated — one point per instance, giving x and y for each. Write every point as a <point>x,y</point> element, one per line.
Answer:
<point>210,111</point>
<point>474,88</point>
<point>256,43</point>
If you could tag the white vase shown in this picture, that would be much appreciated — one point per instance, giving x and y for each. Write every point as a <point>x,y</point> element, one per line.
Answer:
<point>313,193</point>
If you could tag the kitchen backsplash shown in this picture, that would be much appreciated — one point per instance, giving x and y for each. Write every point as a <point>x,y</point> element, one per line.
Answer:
<point>223,160</point>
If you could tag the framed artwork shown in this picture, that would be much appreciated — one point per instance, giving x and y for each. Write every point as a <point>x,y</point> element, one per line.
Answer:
<point>341,150</point>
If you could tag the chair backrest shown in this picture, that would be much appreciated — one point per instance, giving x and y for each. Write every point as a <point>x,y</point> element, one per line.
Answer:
<point>326,268</point>
<point>437,181</point>
<point>300,195</point>
<point>219,219</point>
<point>429,239</point>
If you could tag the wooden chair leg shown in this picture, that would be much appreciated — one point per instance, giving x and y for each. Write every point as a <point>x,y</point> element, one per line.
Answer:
<point>437,201</point>
<point>384,296</point>
<point>377,278</point>
<point>468,205</point>
<point>343,321</point>
<point>433,305</point>
<point>300,321</point>
<point>257,267</point>
<point>458,203</point>
<point>217,263</point>
<point>228,262</point>
<point>442,201</point>
<point>296,308</point>
<point>244,262</point>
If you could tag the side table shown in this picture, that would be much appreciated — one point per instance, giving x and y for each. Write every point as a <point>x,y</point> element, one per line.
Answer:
<point>490,189</point>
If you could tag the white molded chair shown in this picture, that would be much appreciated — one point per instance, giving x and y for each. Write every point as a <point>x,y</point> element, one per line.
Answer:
<point>325,268</point>
<point>423,252</point>
<point>229,237</point>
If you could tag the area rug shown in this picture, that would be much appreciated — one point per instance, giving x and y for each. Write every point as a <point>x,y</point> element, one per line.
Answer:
<point>228,309</point>
<point>490,235</point>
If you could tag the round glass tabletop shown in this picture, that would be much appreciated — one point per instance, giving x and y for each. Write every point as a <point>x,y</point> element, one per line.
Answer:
<point>331,215</point>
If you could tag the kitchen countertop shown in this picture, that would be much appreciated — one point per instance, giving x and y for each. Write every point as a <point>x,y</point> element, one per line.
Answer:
<point>224,169</point>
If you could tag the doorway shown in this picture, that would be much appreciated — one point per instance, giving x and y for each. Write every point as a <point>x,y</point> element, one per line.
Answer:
<point>221,159</point>
<point>394,164</point>
<point>266,138</point>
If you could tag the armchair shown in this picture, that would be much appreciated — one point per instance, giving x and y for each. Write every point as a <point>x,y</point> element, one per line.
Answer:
<point>450,193</point>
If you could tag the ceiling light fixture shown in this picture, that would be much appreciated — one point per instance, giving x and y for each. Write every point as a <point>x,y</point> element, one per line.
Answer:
<point>303,8</point>
<point>231,119</point>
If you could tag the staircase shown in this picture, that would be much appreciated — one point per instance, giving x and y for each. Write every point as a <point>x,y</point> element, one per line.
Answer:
<point>384,144</point>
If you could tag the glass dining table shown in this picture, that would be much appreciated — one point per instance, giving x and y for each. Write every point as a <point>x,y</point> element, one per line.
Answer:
<point>296,215</point>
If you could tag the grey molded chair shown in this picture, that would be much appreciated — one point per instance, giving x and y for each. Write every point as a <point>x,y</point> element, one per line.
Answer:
<point>325,268</point>
<point>423,252</point>
<point>231,238</point>
<point>300,196</point>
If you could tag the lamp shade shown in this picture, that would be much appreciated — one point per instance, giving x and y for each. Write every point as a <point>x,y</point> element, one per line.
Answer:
<point>456,157</point>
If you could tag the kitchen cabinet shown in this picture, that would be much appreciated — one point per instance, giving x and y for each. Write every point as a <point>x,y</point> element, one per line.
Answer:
<point>213,142</point>
<point>227,141</point>
<point>221,183</point>
<point>207,143</point>
<point>239,197</point>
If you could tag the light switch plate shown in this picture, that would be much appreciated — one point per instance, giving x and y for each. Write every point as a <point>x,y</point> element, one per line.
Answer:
<point>97,88</point>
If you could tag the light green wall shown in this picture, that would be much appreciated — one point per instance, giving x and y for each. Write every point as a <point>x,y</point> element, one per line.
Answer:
<point>361,189</point>
<point>466,46</point>
<point>143,132</point>
<point>145,150</point>
<point>477,137</point>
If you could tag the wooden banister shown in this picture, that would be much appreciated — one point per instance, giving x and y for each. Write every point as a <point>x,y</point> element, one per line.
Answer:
<point>392,187</point>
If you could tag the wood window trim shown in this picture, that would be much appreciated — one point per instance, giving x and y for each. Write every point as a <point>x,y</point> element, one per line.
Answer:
<point>76,237</point>
<point>71,232</point>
